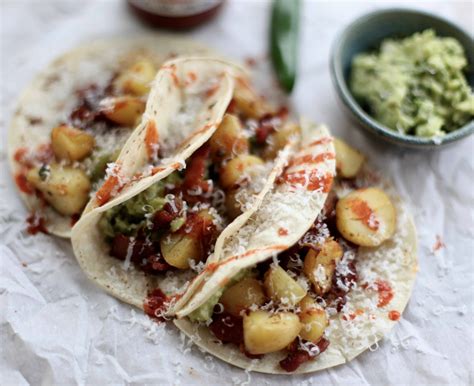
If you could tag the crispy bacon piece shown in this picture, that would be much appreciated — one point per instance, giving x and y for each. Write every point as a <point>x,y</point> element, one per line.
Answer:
<point>168,213</point>
<point>155,304</point>
<point>227,328</point>
<point>194,185</point>
<point>143,254</point>
<point>296,358</point>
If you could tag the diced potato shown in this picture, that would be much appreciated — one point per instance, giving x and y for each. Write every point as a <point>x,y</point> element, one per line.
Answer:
<point>280,138</point>
<point>136,80</point>
<point>319,266</point>
<point>366,217</point>
<point>229,139</point>
<point>265,332</point>
<point>242,295</point>
<point>348,160</point>
<point>232,206</point>
<point>71,144</point>
<point>237,168</point>
<point>177,249</point>
<point>65,188</point>
<point>249,103</point>
<point>314,320</point>
<point>281,287</point>
<point>125,110</point>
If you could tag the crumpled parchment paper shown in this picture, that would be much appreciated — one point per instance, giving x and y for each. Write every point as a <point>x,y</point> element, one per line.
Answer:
<point>56,327</point>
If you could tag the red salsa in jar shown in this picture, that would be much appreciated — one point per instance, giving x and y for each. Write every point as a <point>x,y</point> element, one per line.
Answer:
<point>175,14</point>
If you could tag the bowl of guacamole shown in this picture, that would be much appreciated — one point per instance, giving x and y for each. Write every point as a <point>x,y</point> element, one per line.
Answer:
<point>407,76</point>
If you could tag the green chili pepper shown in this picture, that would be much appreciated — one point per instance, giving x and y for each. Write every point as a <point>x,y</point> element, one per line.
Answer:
<point>284,40</point>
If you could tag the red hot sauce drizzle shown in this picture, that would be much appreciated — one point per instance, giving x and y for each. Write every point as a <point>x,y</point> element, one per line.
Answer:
<point>385,292</point>
<point>394,315</point>
<point>364,213</point>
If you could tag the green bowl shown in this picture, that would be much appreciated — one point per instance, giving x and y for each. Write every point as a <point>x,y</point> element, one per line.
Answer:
<point>366,34</point>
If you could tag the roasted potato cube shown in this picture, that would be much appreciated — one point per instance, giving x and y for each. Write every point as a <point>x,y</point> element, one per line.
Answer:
<point>348,160</point>
<point>280,138</point>
<point>177,249</point>
<point>242,295</point>
<point>281,287</point>
<point>319,266</point>
<point>313,318</point>
<point>124,110</point>
<point>366,217</point>
<point>265,332</point>
<point>71,144</point>
<point>249,103</point>
<point>237,169</point>
<point>65,188</point>
<point>136,79</point>
<point>229,139</point>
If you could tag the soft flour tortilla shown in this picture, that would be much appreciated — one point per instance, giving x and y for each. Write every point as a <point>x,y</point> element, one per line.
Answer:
<point>289,205</point>
<point>394,261</point>
<point>51,95</point>
<point>165,101</point>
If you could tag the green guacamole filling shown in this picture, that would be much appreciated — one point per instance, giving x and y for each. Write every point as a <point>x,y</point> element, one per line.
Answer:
<point>134,213</point>
<point>204,312</point>
<point>415,85</point>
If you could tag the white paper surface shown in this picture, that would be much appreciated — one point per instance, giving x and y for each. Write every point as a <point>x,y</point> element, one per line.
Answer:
<point>56,327</point>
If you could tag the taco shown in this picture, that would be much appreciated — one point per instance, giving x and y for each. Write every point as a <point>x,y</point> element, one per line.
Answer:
<point>74,119</point>
<point>318,274</point>
<point>166,203</point>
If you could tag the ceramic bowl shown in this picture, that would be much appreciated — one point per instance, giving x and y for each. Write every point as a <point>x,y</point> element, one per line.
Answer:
<point>365,34</point>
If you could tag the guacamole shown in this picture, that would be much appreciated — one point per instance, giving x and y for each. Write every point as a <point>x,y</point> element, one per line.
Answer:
<point>129,217</point>
<point>415,85</point>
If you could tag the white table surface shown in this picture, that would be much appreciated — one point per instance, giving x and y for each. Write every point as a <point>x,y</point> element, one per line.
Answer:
<point>58,328</point>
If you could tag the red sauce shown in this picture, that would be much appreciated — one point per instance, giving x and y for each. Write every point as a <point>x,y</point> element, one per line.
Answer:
<point>42,155</point>
<point>364,213</point>
<point>214,266</point>
<point>312,180</point>
<point>151,139</point>
<point>311,159</point>
<point>321,141</point>
<point>36,224</point>
<point>211,91</point>
<point>438,244</point>
<point>23,185</point>
<point>104,194</point>
<point>155,304</point>
<point>20,156</point>
<point>385,292</point>
<point>283,232</point>
<point>353,315</point>
<point>394,315</point>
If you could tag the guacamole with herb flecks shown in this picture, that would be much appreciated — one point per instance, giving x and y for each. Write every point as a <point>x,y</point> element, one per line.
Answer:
<point>415,85</point>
